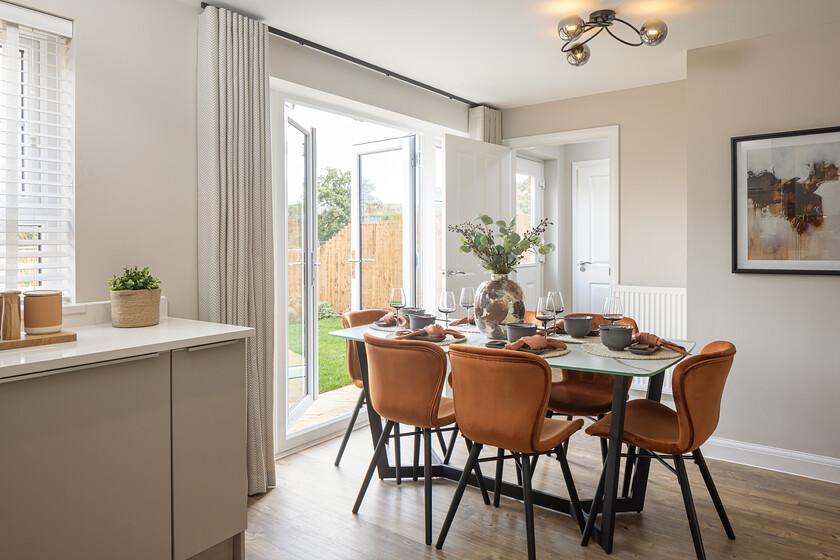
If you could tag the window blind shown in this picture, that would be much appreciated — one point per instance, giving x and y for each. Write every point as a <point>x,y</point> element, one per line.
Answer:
<point>36,160</point>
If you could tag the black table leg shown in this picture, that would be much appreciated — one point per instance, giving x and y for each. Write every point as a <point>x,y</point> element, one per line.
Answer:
<point>613,462</point>
<point>640,476</point>
<point>373,418</point>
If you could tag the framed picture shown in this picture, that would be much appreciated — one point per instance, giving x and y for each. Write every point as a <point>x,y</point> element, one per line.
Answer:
<point>786,202</point>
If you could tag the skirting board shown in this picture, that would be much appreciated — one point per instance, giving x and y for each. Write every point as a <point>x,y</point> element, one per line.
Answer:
<point>809,465</point>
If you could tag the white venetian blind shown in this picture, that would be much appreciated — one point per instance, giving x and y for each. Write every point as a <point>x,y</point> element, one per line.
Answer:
<point>36,160</point>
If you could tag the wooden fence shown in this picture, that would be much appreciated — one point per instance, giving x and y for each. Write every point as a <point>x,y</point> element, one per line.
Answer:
<point>381,242</point>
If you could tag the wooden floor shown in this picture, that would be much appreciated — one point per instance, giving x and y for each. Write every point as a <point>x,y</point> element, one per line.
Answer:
<point>775,516</point>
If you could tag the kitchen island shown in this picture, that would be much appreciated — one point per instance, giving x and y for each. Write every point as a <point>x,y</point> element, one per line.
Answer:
<point>128,443</point>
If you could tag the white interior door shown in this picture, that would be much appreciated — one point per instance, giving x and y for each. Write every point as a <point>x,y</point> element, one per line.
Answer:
<point>590,234</point>
<point>479,180</point>
<point>529,192</point>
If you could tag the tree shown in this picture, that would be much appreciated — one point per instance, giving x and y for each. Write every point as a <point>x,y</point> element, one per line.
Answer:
<point>333,203</point>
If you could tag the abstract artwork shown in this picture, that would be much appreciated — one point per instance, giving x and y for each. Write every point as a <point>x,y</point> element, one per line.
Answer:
<point>786,202</point>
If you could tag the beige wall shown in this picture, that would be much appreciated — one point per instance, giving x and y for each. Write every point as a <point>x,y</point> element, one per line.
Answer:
<point>652,151</point>
<point>784,387</point>
<point>135,142</point>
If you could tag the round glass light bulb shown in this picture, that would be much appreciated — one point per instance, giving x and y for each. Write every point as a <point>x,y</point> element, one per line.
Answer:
<point>570,28</point>
<point>653,32</point>
<point>578,55</point>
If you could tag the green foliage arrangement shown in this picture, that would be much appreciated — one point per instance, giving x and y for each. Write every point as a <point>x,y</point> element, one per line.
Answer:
<point>134,278</point>
<point>497,244</point>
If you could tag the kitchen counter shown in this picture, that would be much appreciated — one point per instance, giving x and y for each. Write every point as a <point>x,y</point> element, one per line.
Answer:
<point>98,343</point>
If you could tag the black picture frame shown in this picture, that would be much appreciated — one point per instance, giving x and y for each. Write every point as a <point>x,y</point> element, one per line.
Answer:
<point>734,142</point>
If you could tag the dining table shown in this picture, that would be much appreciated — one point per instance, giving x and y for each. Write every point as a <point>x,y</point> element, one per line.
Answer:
<point>622,370</point>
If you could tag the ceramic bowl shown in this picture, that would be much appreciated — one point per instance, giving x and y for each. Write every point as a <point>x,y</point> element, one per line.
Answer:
<point>419,320</point>
<point>406,311</point>
<point>616,337</point>
<point>577,327</point>
<point>515,331</point>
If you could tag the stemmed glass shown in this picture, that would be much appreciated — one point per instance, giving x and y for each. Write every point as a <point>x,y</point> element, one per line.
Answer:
<point>446,305</point>
<point>397,300</point>
<point>467,300</point>
<point>613,309</point>
<point>559,304</point>
<point>546,311</point>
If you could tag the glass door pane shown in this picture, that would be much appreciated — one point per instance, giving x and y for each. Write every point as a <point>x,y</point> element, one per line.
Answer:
<point>298,386</point>
<point>386,228</point>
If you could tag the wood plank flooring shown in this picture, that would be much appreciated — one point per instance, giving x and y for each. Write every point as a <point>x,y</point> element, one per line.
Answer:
<point>775,516</point>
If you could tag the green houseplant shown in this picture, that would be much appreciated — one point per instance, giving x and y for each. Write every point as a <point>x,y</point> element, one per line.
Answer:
<point>500,248</point>
<point>135,298</point>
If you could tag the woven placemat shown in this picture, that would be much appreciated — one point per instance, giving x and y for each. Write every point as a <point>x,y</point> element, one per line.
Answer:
<point>555,353</point>
<point>375,327</point>
<point>570,339</point>
<point>465,328</point>
<point>598,349</point>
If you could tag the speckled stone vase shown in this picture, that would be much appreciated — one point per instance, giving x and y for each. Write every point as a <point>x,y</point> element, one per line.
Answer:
<point>498,301</point>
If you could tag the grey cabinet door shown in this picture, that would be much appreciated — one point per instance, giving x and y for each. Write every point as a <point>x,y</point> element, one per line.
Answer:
<point>209,498</point>
<point>85,463</point>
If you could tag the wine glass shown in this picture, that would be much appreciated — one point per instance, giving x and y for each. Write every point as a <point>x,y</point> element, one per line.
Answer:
<point>446,305</point>
<point>613,309</point>
<point>546,311</point>
<point>397,300</point>
<point>559,304</point>
<point>467,300</point>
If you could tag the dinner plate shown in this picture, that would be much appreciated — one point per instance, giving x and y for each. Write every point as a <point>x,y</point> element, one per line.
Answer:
<point>643,349</point>
<point>427,338</point>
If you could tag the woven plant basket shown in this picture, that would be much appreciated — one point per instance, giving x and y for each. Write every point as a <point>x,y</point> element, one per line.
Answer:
<point>135,308</point>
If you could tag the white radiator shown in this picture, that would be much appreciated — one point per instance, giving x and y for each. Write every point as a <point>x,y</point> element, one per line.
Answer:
<point>661,311</point>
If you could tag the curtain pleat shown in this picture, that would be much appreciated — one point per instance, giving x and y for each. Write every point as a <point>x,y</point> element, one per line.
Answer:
<point>235,234</point>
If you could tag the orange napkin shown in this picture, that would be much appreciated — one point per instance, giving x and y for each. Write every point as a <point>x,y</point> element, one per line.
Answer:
<point>463,321</point>
<point>435,331</point>
<point>393,319</point>
<point>653,340</point>
<point>536,342</point>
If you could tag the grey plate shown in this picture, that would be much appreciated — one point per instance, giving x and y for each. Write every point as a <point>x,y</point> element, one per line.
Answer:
<point>643,349</point>
<point>428,338</point>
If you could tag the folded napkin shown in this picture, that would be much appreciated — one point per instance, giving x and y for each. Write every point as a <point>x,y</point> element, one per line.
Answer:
<point>434,331</point>
<point>463,321</point>
<point>536,342</point>
<point>653,340</point>
<point>393,319</point>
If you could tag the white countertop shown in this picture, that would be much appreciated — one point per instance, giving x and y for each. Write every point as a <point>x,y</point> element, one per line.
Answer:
<point>98,343</point>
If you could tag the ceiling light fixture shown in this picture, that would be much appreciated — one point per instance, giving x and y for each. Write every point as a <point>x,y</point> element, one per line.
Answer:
<point>573,30</point>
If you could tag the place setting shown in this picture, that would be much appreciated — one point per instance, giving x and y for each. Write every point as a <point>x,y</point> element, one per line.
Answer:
<point>413,323</point>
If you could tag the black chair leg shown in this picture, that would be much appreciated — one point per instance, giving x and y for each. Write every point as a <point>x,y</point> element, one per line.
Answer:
<point>500,465</point>
<point>570,487</point>
<point>710,486</point>
<point>518,464</point>
<point>594,509</point>
<point>479,476</point>
<point>604,447</point>
<point>566,443</point>
<point>459,493</point>
<point>427,481</point>
<point>528,498</point>
<point>380,448</point>
<point>441,441</point>
<point>416,466</point>
<point>451,447</point>
<point>629,465</point>
<point>682,476</point>
<point>359,404</point>
<point>397,453</point>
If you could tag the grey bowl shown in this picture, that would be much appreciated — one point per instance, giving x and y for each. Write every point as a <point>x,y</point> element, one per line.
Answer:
<point>616,337</point>
<point>515,331</point>
<point>418,321</point>
<point>406,311</point>
<point>577,327</point>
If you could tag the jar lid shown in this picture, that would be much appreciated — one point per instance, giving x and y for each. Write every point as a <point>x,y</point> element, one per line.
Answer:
<point>35,293</point>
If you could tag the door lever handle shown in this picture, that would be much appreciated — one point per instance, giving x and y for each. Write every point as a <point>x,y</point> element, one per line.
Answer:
<point>582,265</point>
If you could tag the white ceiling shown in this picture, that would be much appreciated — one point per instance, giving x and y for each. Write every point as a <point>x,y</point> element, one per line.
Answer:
<point>507,53</point>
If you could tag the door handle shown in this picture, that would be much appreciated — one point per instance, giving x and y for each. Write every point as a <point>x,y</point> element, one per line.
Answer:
<point>458,273</point>
<point>583,264</point>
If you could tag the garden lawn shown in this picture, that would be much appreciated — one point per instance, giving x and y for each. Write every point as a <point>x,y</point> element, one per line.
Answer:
<point>332,366</point>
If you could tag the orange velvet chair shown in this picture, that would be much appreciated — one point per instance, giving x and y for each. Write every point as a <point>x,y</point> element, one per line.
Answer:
<point>655,429</point>
<point>405,379</point>
<point>354,370</point>
<point>501,400</point>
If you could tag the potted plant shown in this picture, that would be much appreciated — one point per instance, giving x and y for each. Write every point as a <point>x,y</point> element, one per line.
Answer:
<point>135,298</point>
<point>500,248</point>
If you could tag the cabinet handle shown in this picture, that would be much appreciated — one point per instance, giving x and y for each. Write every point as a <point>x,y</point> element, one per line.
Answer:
<point>38,374</point>
<point>212,345</point>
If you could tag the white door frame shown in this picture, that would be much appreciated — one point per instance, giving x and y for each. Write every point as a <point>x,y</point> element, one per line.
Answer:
<point>576,258</point>
<point>610,134</point>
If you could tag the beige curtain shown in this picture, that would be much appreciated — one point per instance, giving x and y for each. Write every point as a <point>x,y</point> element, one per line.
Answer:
<point>485,124</point>
<point>234,209</point>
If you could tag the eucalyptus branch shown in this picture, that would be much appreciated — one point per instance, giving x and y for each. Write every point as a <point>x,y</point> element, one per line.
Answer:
<point>498,245</point>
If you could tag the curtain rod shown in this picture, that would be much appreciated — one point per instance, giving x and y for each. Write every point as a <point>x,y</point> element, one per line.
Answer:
<point>364,64</point>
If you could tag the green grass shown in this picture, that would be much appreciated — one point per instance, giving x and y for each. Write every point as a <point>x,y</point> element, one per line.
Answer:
<point>332,372</point>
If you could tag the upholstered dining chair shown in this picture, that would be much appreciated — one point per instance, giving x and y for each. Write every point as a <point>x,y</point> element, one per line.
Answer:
<point>354,371</point>
<point>514,388</point>
<point>697,386</point>
<point>405,380</point>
